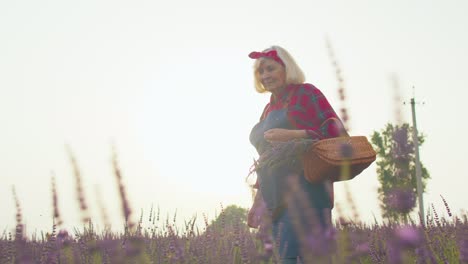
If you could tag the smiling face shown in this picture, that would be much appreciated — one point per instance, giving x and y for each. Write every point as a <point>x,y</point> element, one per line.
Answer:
<point>272,75</point>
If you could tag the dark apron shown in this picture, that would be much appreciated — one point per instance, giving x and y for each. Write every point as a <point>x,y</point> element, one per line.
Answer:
<point>275,187</point>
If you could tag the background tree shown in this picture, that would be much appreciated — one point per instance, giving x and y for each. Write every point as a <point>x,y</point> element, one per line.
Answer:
<point>230,216</point>
<point>396,170</point>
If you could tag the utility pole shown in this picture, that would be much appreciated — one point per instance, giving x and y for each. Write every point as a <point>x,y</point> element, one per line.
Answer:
<point>418,164</point>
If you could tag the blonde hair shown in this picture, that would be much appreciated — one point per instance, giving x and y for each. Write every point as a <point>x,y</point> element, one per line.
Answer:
<point>294,74</point>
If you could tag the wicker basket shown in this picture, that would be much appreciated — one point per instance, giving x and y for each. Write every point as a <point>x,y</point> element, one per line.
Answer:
<point>337,159</point>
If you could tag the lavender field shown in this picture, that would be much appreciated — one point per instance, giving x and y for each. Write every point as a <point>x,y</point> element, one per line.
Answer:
<point>153,240</point>
<point>229,240</point>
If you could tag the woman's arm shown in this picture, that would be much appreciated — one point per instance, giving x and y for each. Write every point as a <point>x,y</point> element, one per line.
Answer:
<point>331,127</point>
<point>281,134</point>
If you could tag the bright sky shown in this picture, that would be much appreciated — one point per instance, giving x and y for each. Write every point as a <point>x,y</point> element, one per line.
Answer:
<point>171,84</point>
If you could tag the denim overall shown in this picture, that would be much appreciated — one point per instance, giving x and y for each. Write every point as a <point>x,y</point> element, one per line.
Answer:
<point>274,186</point>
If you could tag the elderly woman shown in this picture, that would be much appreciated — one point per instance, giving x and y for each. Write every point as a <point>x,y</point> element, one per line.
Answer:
<point>299,211</point>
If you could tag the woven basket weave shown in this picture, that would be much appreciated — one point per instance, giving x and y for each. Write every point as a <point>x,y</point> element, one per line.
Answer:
<point>337,159</point>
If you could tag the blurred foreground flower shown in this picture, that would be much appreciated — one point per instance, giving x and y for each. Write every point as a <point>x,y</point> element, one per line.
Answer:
<point>463,247</point>
<point>408,236</point>
<point>401,200</point>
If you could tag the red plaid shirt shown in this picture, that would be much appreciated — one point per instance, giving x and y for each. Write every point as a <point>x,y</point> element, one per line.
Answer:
<point>308,109</point>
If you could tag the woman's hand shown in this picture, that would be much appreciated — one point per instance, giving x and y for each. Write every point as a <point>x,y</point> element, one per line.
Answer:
<point>281,134</point>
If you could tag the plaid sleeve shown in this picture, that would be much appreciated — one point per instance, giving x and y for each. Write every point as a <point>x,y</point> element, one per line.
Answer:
<point>309,109</point>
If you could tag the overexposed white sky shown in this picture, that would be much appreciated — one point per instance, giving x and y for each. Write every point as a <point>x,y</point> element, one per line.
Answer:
<point>171,85</point>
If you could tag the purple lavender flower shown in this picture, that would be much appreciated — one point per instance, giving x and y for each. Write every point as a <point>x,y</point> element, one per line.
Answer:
<point>56,214</point>
<point>322,243</point>
<point>446,206</point>
<point>359,250</point>
<point>123,196</point>
<point>346,150</point>
<point>63,236</point>
<point>402,149</point>
<point>463,247</point>
<point>408,236</point>
<point>362,249</point>
<point>79,186</point>
<point>401,200</point>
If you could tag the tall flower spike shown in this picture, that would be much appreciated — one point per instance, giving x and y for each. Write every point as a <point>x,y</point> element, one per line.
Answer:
<point>102,209</point>
<point>19,235</point>
<point>446,206</point>
<point>123,196</point>
<point>79,186</point>
<point>56,214</point>
<point>22,250</point>
<point>396,98</point>
<point>344,117</point>
<point>341,90</point>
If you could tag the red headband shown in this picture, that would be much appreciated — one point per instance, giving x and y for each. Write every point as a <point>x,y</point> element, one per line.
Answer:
<point>272,54</point>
